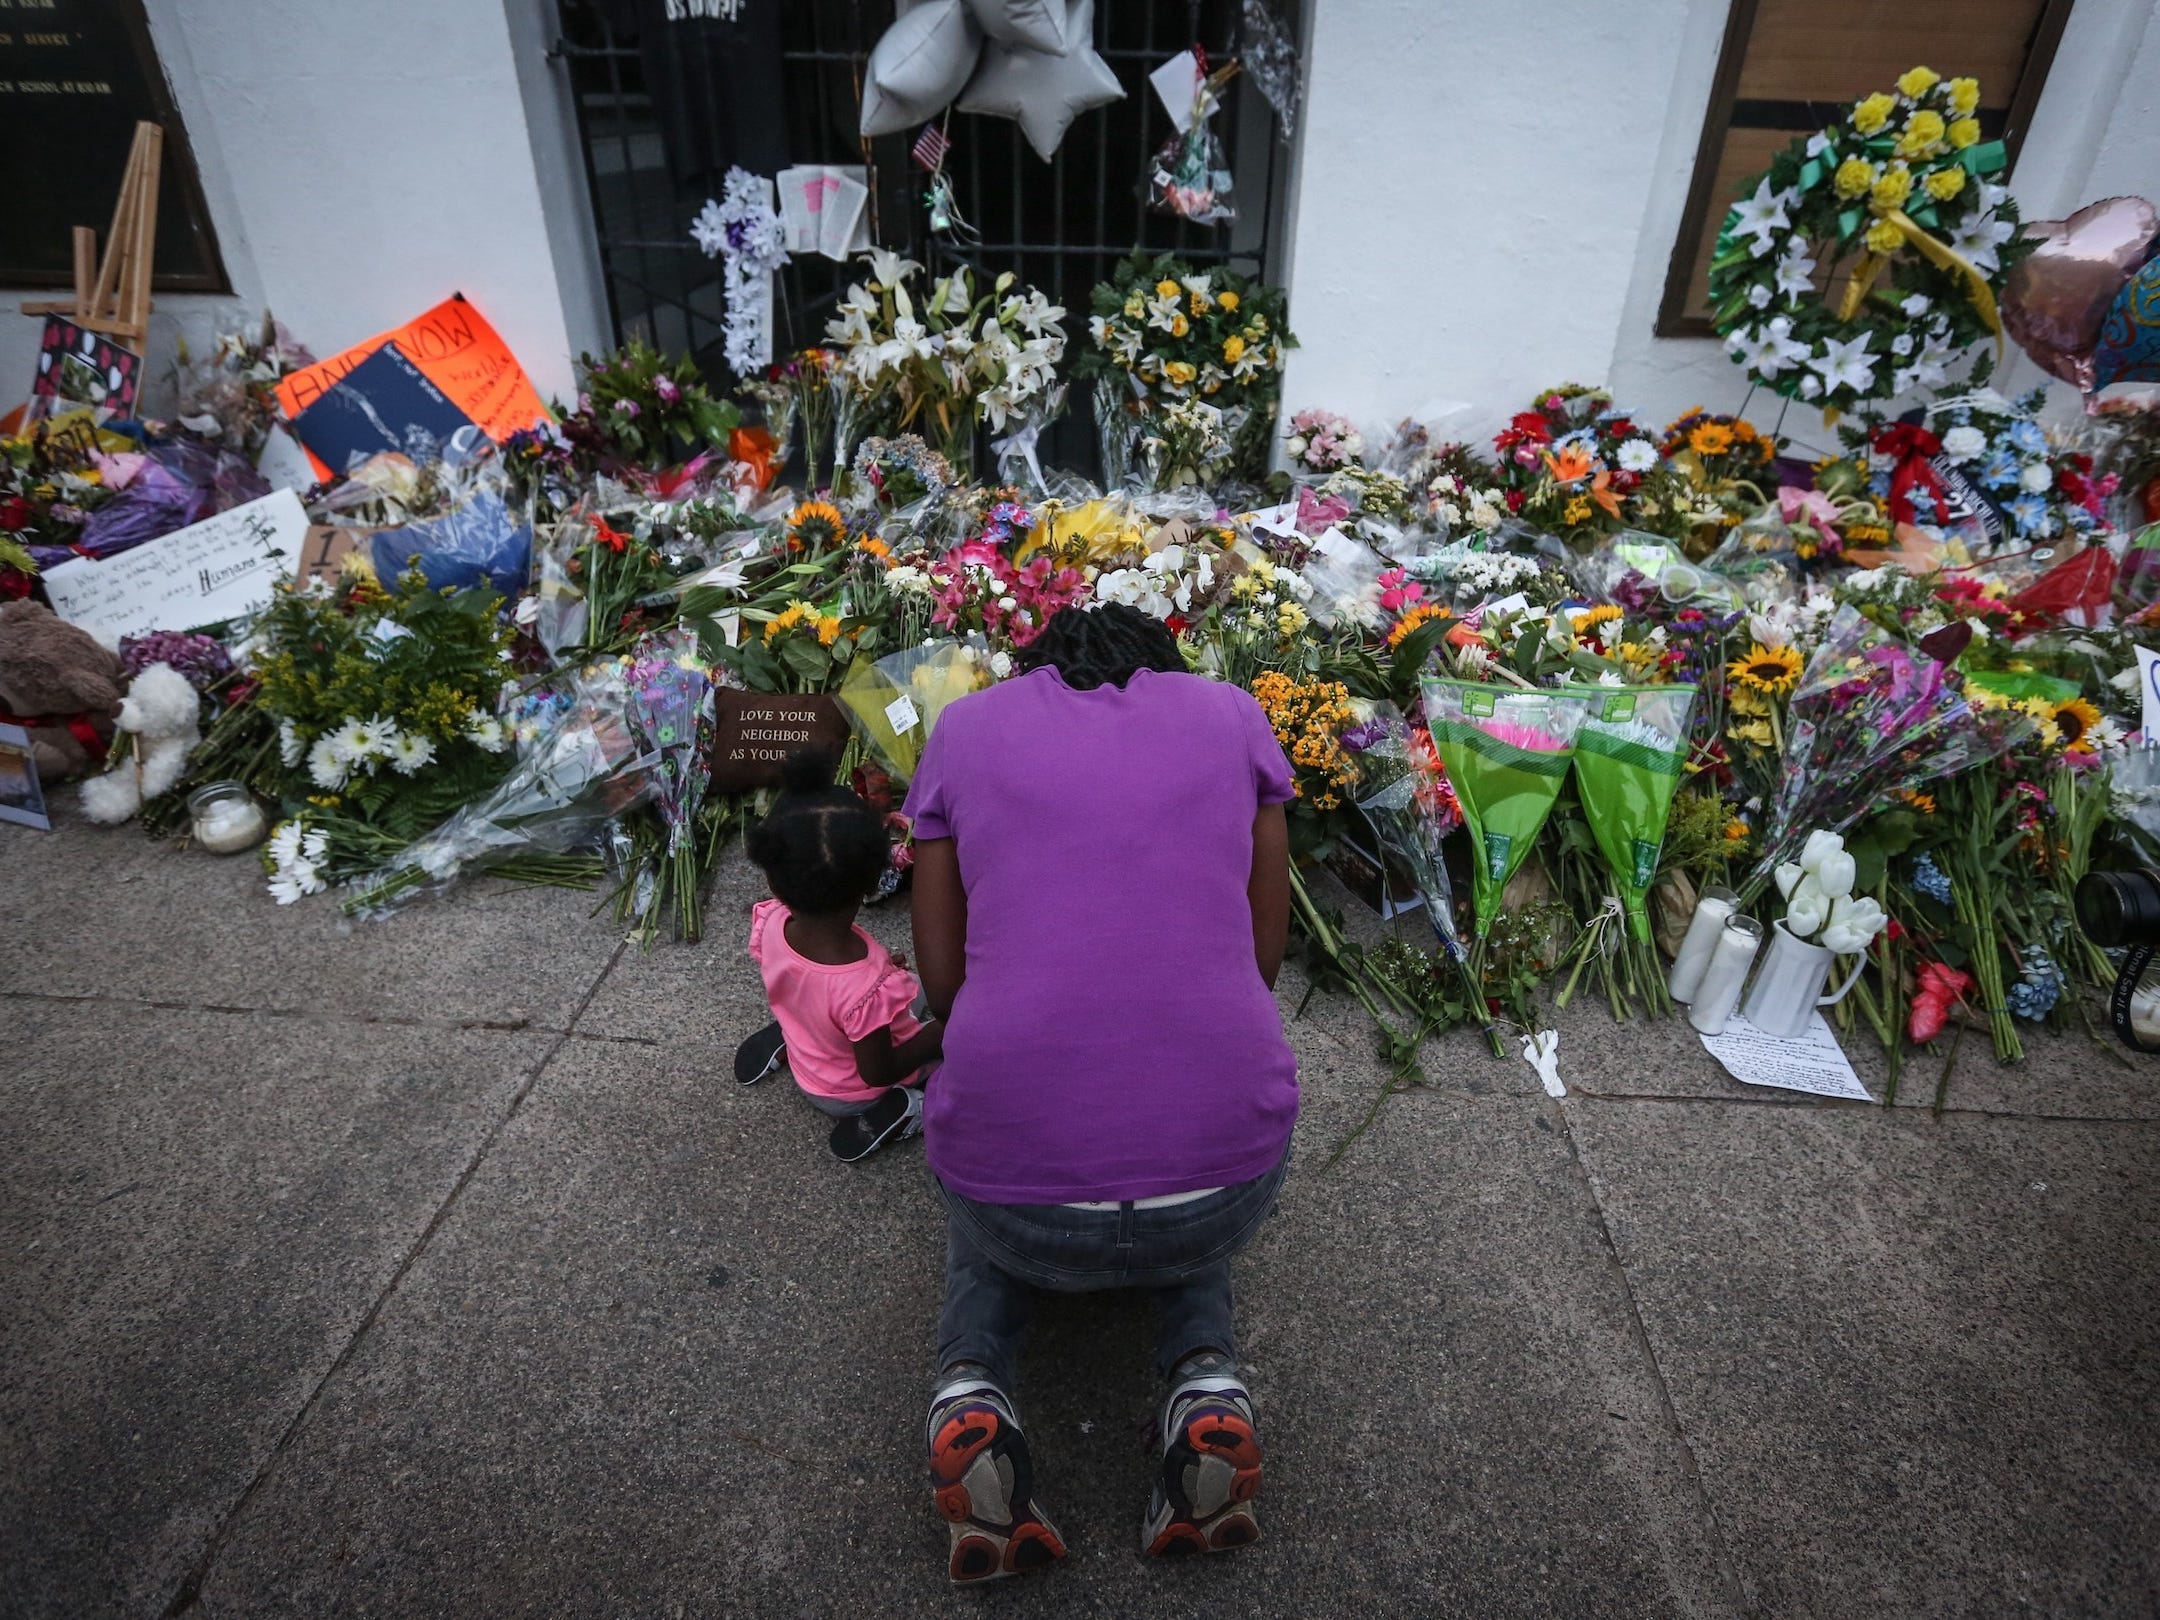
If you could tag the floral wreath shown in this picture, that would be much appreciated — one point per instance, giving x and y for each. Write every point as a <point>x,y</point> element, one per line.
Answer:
<point>1900,171</point>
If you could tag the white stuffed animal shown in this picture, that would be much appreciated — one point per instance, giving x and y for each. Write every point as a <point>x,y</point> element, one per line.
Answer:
<point>160,710</point>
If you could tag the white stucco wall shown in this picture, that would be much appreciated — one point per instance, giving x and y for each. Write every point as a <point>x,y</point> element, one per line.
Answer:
<point>362,162</point>
<point>1489,196</point>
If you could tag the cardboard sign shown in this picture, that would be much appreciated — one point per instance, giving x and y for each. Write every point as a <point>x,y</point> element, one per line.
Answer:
<point>86,368</point>
<point>753,732</point>
<point>323,553</point>
<point>460,354</point>
<point>210,571</point>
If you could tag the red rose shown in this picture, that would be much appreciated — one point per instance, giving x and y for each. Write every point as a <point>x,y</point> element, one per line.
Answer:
<point>1514,500</point>
<point>14,584</point>
<point>16,513</point>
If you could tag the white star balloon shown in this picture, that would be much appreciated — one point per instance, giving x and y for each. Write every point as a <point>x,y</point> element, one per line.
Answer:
<point>1044,93</point>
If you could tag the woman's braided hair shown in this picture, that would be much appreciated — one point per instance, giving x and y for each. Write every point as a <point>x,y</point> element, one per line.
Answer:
<point>821,848</point>
<point>1102,645</point>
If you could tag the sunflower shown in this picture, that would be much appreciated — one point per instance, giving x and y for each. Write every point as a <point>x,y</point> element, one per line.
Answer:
<point>1710,439</point>
<point>2074,719</point>
<point>1766,669</point>
<point>875,547</point>
<point>815,525</point>
<point>785,620</point>
<point>1585,623</point>
<point>1421,614</point>
<point>1922,802</point>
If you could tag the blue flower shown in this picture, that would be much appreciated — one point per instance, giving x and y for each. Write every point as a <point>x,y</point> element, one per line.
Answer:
<point>2000,470</point>
<point>2038,988</point>
<point>1929,879</point>
<point>2027,439</point>
<point>2030,514</point>
<point>1923,504</point>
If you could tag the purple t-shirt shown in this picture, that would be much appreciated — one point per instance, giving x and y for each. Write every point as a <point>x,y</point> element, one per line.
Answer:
<point>1113,1038</point>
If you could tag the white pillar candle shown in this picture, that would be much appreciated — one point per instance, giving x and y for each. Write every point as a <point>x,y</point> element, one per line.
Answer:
<point>1702,937</point>
<point>1719,992</point>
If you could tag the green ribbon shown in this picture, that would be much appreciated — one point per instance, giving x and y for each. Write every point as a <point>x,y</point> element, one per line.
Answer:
<point>1985,158</point>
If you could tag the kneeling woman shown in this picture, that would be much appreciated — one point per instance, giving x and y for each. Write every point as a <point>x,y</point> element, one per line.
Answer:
<point>1101,905</point>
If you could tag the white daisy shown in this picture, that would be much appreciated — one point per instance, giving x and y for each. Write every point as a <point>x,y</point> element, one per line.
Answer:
<point>1637,456</point>
<point>291,750</point>
<point>327,768</point>
<point>410,752</point>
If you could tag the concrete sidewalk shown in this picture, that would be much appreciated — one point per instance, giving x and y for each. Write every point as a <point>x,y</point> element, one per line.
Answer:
<point>439,1268</point>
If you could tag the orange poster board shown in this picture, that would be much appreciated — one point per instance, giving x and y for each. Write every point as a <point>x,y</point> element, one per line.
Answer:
<point>461,355</point>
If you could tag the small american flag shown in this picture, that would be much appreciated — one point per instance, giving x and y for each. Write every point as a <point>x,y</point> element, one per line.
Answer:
<point>931,147</point>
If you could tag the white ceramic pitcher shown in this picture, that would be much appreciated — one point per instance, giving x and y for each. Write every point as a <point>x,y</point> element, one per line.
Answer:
<point>1788,986</point>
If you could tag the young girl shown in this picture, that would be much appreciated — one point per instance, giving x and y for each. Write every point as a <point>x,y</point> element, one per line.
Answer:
<point>846,1025</point>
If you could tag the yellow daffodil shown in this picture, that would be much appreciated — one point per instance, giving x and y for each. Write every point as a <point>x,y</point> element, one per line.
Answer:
<point>1963,132</point>
<point>1923,133</point>
<point>1228,300</point>
<point>1964,96</point>
<point>1944,184</point>
<point>1870,115</point>
<point>1854,177</point>
<point>1914,83</point>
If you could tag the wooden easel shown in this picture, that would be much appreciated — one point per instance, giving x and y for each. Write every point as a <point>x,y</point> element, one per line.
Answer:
<point>114,298</point>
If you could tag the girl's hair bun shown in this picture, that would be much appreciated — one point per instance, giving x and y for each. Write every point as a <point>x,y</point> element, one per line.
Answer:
<point>810,771</point>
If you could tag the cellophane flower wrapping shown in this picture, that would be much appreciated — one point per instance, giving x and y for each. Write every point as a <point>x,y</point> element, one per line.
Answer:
<point>1507,754</point>
<point>1405,797</point>
<point>1630,751</point>
<point>579,766</point>
<point>894,703</point>
<point>1870,717</point>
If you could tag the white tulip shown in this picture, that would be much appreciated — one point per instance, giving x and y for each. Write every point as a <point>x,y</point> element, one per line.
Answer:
<point>1788,874</point>
<point>1819,844</point>
<point>1854,923</point>
<point>1806,908</point>
<point>1835,874</point>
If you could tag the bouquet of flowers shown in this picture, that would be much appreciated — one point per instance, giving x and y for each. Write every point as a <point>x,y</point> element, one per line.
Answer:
<point>1578,467</point>
<point>896,701</point>
<point>668,712</point>
<point>1169,335</point>
<point>231,394</point>
<point>1984,460</point>
<point>1506,754</point>
<point>1322,442</point>
<point>939,364</point>
<point>639,406</point>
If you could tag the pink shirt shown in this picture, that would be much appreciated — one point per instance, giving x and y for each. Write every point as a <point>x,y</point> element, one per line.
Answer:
<point>824,1008</point>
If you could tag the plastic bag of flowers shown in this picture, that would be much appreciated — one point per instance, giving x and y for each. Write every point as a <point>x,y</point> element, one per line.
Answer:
<point>895,702</point>
<point>581,768</point>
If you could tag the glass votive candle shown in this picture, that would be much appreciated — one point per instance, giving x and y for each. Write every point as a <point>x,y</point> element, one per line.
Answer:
<point>226,818</point>
<point>1711,910</point>
<point>1722,980</point>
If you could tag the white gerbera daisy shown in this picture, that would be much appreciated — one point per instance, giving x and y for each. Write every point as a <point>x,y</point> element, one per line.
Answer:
<point>327,767</point>
<point>410,752</point>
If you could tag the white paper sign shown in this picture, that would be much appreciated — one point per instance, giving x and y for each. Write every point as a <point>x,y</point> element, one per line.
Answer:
<point>217,569</point>
<point>901,716</point>
<point>284,463</point>
<point>1278,520</point>
<point>822,208</point>
<point>1176,81</point>
<point>2149,683</point>
<point>1334,543</point>
<point>1811,1062</point>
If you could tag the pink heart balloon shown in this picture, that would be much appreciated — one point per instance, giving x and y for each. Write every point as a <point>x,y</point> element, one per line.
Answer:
<point>2055,299</point>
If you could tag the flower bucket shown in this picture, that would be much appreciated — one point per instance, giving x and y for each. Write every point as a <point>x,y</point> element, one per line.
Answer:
<point>1789,985</point>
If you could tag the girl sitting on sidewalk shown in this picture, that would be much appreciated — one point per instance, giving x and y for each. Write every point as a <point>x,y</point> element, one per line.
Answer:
<point>846,1020</point>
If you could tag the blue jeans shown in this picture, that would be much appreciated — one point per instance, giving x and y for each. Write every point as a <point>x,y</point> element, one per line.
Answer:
<point>997,1255</point>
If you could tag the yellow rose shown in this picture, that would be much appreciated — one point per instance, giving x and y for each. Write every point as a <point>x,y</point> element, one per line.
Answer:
<point>1883,237</point>
<point>1233,348</point>
<point>1891,189</point>
<point>1964,96</point>
<point>1870,115</point>
<point>1944,184</point>
<point>1179,326</point>
<point>1166,289</point>
<point>1914,83</point>
<point>1181,372</point>
<point>1964,132</point>
<point>1854,176</point>
<point>1228,300</point>
<point>1922,132</point>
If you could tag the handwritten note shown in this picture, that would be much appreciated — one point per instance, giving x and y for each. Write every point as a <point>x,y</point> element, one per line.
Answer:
<point>457,350</point>
<point>1812,1062</point>
<point>210,571</point>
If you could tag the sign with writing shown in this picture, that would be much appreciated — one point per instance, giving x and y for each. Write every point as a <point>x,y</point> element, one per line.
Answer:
<point>210,571</point>
<point>1810,1062</point>
<point>753,732</point>
<point>457,351</point>
<point>323,553</point>
<point>75,78</point>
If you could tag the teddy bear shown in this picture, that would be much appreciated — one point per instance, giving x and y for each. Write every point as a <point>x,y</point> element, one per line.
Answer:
<point>160,711</point>
<point>60,684</point>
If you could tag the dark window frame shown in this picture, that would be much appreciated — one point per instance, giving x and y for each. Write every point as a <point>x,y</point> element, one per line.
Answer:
<point>1673,318</point>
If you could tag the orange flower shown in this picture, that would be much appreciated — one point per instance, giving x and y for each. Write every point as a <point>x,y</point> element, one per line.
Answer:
<point>1572,464</point>
<point>755,448</point>
<point>613,538</point>
<point>1601,492</point>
